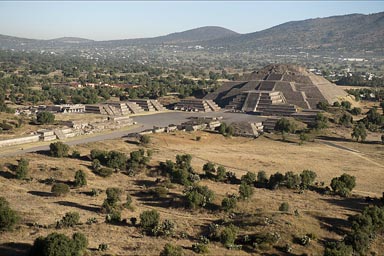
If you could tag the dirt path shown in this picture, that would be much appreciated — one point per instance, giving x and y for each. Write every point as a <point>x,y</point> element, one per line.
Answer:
<point>352,151</point>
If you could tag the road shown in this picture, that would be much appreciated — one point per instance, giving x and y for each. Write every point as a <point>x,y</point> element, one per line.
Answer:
<point>144,122</point>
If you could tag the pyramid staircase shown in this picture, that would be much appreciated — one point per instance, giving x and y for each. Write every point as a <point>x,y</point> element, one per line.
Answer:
<point>197,105</point>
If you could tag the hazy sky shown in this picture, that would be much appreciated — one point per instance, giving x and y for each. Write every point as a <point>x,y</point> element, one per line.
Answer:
<point>102,20</point>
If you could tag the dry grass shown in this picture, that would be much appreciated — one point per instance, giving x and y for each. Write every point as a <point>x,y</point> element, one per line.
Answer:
<point>318,213</point>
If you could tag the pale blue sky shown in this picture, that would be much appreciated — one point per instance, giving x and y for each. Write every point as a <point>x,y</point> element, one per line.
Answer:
<point>102,20</point>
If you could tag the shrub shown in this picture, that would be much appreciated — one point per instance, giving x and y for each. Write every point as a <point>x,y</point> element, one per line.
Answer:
<point>245,191</point>
<point>292,180</point>
<point>166,228</point>
<point>70,219</point>
<point>128,202</point>
<point>356,111</point>
<point>359,131</point>
<point>75,154</point>
<point>116,160</point>
<point>110,204</point>
<point>209,169</point>
<point>145,139</point>
<point>8,217</point>
<point>104,172</point>
<point>249,178</point>
<point>346,104</point>
<point>323,105</point>
<point>284,125</point>
<point>307,178</point>
<point>228,235</point>
<point>96,164</point>
<point>171,250</point>
<point>60,189</point>
<point>262,179</point>
<point>275,180</point>
<point>160,192</point>
<point>321,122</point>
<point>284,207</point>
<point>59,244</point>
<point>58,149</point>
<point>338,249</point>
<point>138,160</point>
<point>149,220</point>
<point>198,196</point>
<point>228,203</point>
<point>45,117</point>
<point>346,120</point>
<point>22,168</point>
<point>200,248</point>
<point>80,178</point>
<point>221,174</point>
<point>103,247</point>
<point>343,185</point>
<point>113,217</point>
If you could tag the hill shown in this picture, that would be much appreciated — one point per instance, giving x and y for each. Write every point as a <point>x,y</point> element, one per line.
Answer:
<point>356,31</point>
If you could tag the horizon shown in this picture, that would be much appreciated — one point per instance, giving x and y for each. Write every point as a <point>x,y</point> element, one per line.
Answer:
<point>101,21</point>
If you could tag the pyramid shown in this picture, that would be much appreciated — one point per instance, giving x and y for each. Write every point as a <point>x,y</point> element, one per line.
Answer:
<point>278,88</point>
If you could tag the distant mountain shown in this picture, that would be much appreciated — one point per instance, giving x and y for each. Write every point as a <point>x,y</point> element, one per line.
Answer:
<point>355,31</point>
<point>71,40</point>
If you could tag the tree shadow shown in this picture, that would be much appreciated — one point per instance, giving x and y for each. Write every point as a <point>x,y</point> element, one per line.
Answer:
<point>43,152</point>
<point>336,225</point>
<point>79,206</point>
<point>330,138</point>
<point>7,175</point>
<point>172,200</point>
<point>40,193</point>
<point>355,204</point>
<point>12,249</point>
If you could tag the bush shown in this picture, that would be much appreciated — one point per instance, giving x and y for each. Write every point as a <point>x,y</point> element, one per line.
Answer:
<point>292,180</point>
<point>138,160</point>
<point>221,174</point>
<point>262,179</point>
<point>228,203</point>
<point>307,178</point>
<point>149,220</point>
<point>323,105</point>
<point>249,178</point>
<point>113,217</point>
<point>45,117</point>
<point>110,204</point>
<point>209,169</point>
<point>69,220</point>
<point>171,250</point>
<point>58,149</point>
<point>104,172</point>
<point>198,196</point>
<point>200,248</point>
<point>343,185</point>
<point>80,178</point>
<point>96,164</point>
<point>22,169</point>
<point>355,111</point>
<point>59,245</point>
<point>338,249</point>
<point>116,160</point>
<point>8,217</point>
<point>75,154</point>
<point>228,235</point>
<point>346,104</point>
<point>359,131</point>
<point>284,207</point>
<point>245,191</point>
<point>103,247</point>
<point>145,139</point>
<point>60,189</point>
<point>275,180</point>
<point>128,202</point>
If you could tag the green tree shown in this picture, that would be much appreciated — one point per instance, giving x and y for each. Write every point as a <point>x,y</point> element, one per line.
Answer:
<point>344,184</point>
<point>80,178</point>
<point>262,179</point>
<point>321,122</point>
<point>209,169</point>
<point>111,203</point>
<point>245,191</point>
<point>198,196</point>
<point>359,131</point>
<point>70,219</point>
<point>22,168</point>
<point>145,139</point>
<point>228,203</point>
<point>307,178</point>
<point>228,235</point>
<point>8,217</point>
<point>284,207</point>
<point>56,244</point>
<point>249,178</point>
<point>59,149</point>
<point>283,126</point>
<point>45,117</point>
<point>171,250</point>
<point>60,189</point>
<point>149,220</point>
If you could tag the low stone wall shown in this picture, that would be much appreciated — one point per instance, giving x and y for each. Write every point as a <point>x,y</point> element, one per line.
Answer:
<point>18,141</point>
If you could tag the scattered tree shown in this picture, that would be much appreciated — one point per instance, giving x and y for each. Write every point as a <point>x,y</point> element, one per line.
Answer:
<point>59,149</point>
<point>245,191</point>
<point>8,217</point>
<point>343,185</point>
<point>60,189</point>
<point>45,117</point>
<point>359,131</point>
<point>22,168</point>
<point>80,178</point>
<point>171,250</point>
